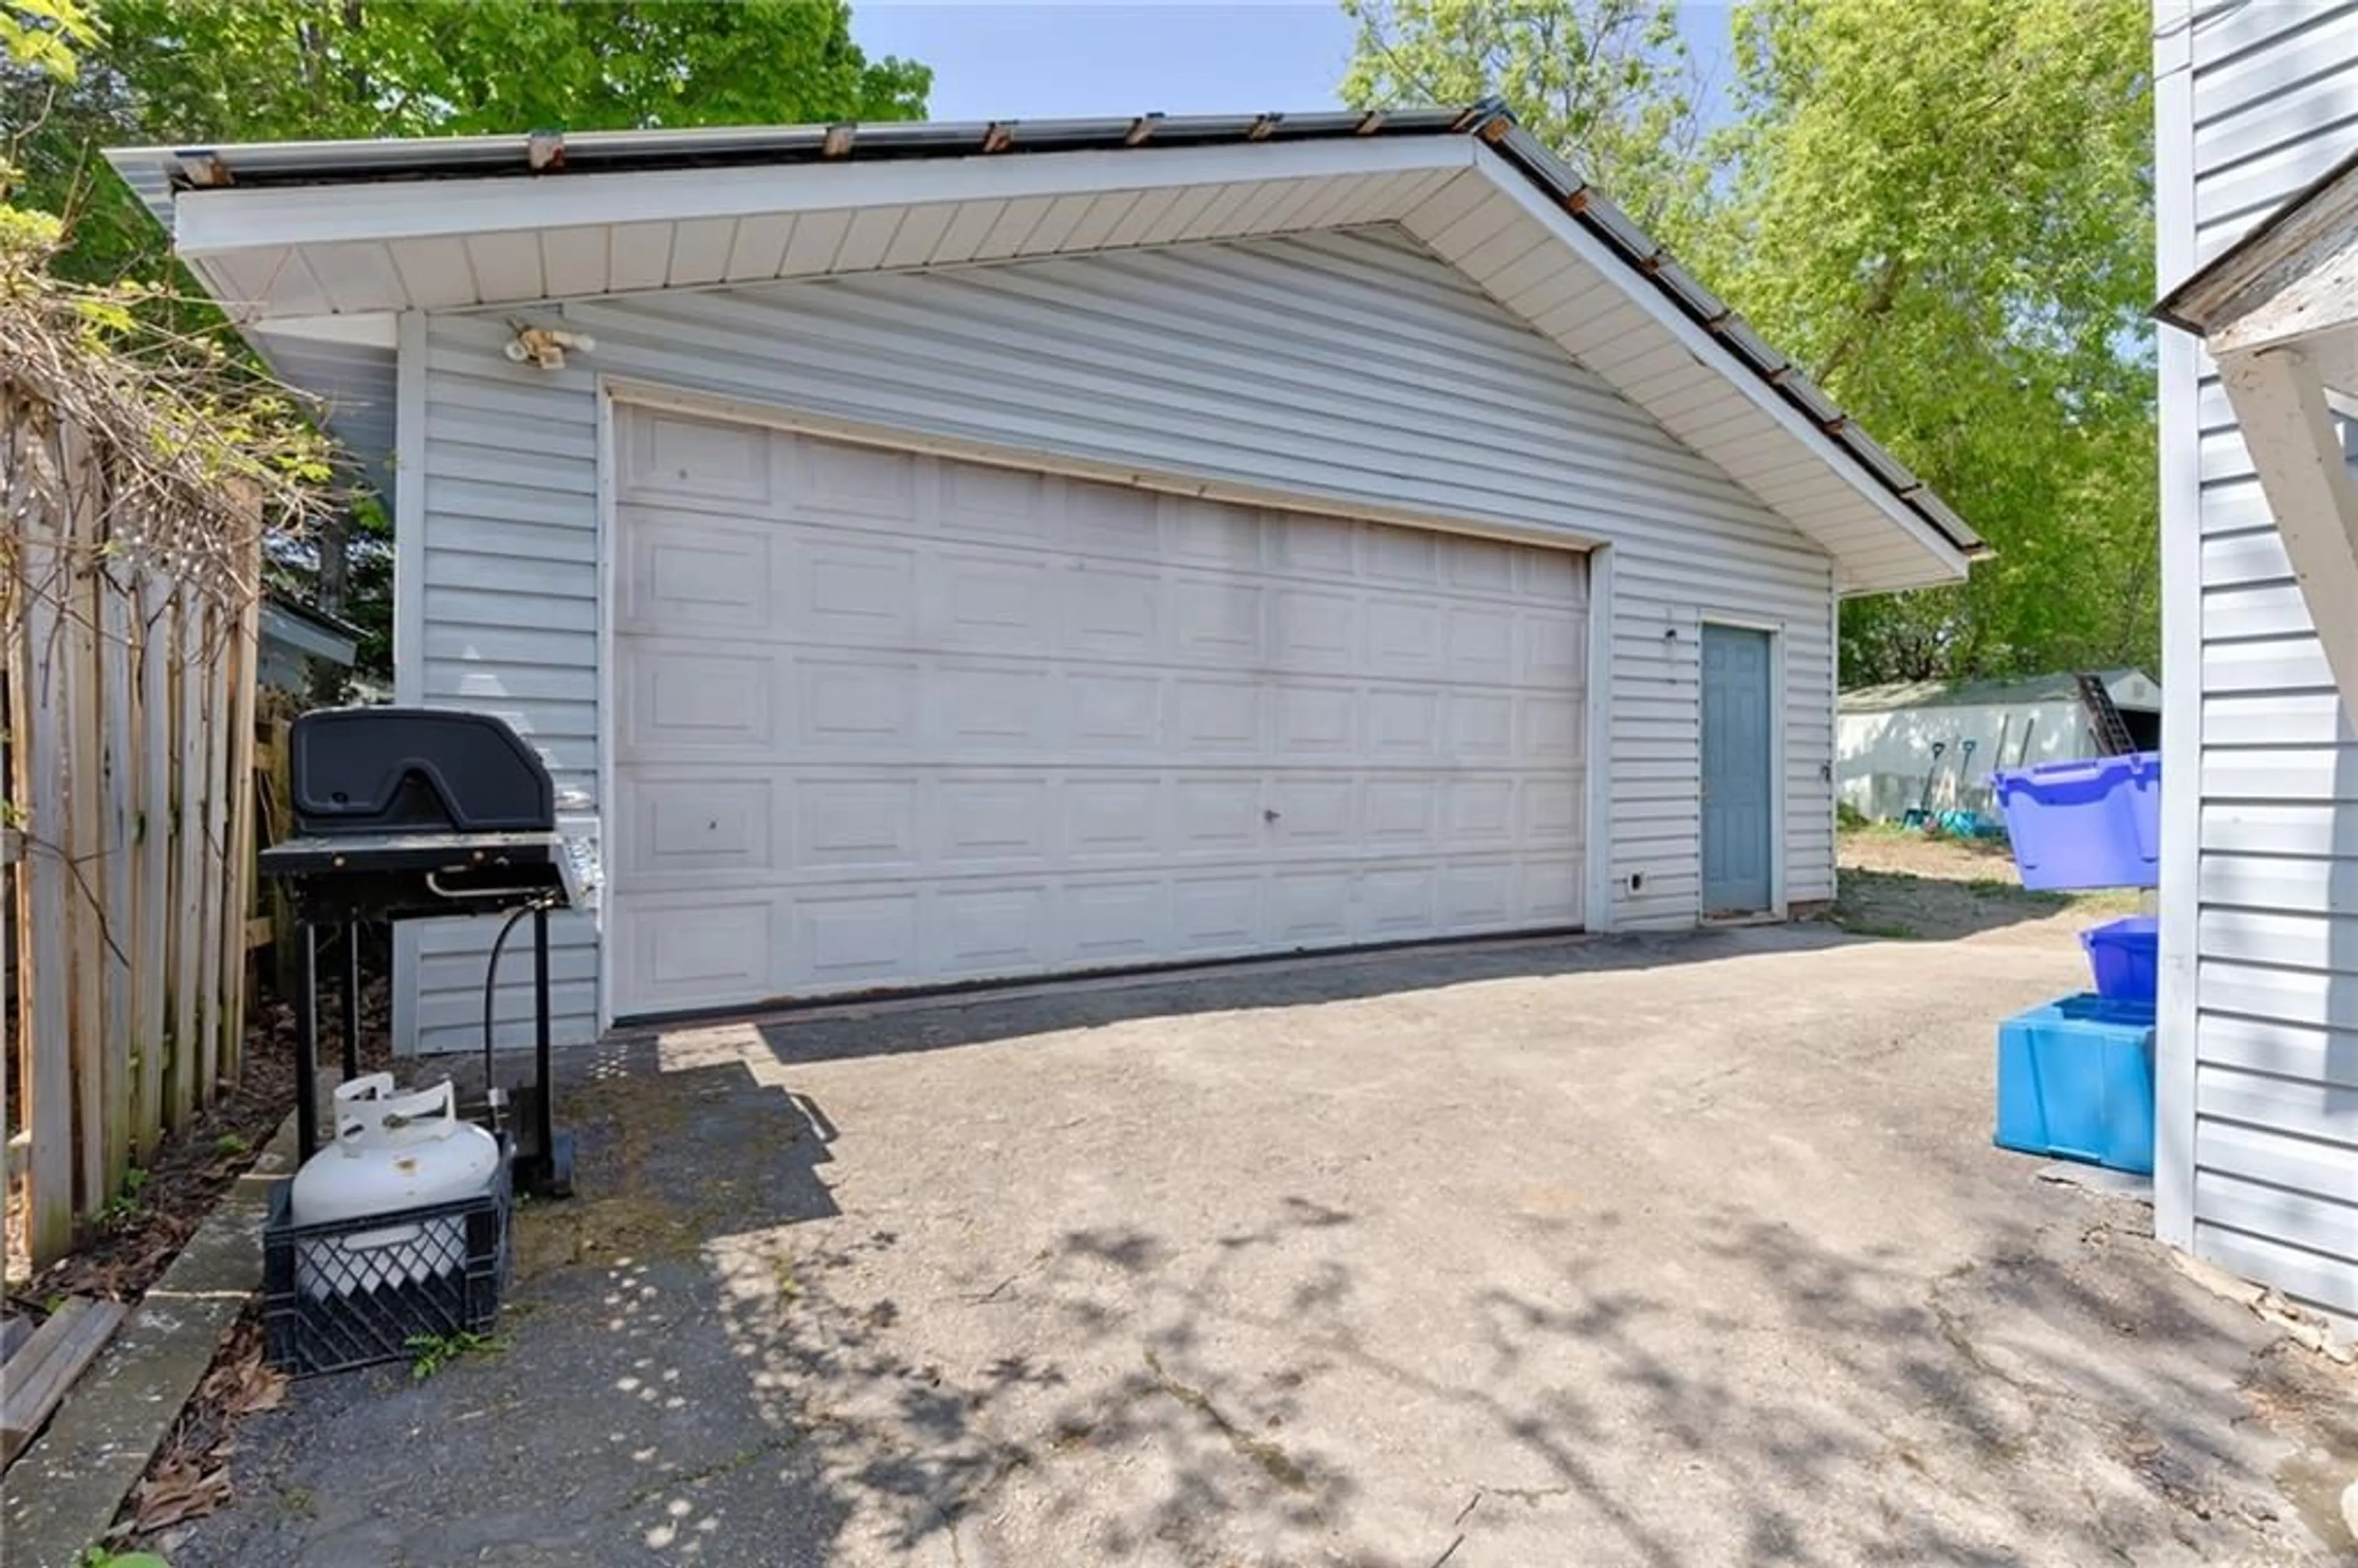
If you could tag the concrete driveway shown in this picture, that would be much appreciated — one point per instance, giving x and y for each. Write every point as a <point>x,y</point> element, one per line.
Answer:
<point>1682,1250</point>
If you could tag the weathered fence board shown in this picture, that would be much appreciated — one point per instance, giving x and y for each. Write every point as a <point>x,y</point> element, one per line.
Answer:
<point>129,781</point>
<point>187,865</point>
<point>120,899</point>
<point>245,697</point>
<point>45,961</point>
<point>223,927</point>
<point>82,830</point>
<point>151,943</point>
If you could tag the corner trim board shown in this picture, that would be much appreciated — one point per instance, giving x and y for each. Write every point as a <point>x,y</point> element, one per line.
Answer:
<point>408,607</point>
<point>1596,894</point>
<point>2181,479</point>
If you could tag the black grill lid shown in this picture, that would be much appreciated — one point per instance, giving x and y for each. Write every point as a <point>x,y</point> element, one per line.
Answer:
<point>385,770</point>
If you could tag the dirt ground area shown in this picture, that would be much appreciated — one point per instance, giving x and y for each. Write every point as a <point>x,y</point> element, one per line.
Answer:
<point>1661,1251</point>
<point>1909,885</point>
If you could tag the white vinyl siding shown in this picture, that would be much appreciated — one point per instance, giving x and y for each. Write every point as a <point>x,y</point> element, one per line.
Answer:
<point>2262,901</point>
<point>1349,371</point>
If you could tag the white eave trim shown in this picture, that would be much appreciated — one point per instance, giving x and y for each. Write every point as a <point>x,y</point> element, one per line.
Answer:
<point>368,330</point>
<point>211,223</point>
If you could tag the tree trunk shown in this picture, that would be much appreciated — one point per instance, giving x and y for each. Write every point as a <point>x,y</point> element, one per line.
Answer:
<point>335,547</point>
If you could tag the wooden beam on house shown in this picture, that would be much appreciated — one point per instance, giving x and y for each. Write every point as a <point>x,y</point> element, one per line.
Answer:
<point>2311,305</point>
<point>2297,450</point>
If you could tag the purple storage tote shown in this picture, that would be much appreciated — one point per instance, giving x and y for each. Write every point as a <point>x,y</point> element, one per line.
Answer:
<point>2095,823</point>
<point>2125,958</point>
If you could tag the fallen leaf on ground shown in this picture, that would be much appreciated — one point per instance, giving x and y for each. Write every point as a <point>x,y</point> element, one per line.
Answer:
<point>180,1490</point>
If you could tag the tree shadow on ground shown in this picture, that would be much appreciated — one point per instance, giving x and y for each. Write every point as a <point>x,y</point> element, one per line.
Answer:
<point>1975,1418</point>
<point>1978,1418</point>
<point>1157,1396</point>
<point>616,1415</point>
<point>720,1356</point>
<point>1905,907</point>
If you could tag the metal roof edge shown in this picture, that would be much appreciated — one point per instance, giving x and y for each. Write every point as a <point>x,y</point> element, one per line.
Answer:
<point>284,602</point>
<point>549,154</point>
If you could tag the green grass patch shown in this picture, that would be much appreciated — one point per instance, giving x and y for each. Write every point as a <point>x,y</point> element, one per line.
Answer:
<point>1863,925</point>
<point>1857,826</point>
<point>430,1353</point>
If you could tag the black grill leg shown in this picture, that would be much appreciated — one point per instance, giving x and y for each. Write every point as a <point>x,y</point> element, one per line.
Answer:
<point>351,999</point>
<point>306,1041</point>
<point>545,1110</point>
<point>550,1174</point>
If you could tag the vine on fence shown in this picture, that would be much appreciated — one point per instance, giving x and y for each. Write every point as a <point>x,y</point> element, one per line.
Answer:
<point>145,472</point>
<point>186,445</point>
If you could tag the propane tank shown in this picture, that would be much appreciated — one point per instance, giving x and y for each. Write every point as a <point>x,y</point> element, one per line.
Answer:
<point>393,1151</point>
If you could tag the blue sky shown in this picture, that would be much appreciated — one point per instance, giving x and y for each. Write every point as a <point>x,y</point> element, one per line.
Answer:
<point>995,61</point>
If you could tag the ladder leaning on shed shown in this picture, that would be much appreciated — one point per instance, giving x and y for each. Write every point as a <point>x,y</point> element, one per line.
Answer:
<point>2112,737</point>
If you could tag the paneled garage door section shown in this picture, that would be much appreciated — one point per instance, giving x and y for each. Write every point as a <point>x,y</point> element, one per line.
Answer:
<point>886,719</point>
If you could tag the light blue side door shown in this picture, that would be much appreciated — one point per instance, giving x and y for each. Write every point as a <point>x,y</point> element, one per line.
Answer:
<point>1738,760</point>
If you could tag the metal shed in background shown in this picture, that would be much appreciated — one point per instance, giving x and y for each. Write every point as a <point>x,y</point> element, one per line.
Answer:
<point>1884,744</point>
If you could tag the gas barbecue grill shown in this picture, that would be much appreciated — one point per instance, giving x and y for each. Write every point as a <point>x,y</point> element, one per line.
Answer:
<point>417,814</point>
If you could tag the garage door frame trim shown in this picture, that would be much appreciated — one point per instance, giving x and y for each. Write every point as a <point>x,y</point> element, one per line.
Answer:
<point>611,391</point>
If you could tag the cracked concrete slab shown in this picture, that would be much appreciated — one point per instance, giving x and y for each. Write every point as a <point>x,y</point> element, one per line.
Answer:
<point>63,1493</point>
<point>1660,1252</point>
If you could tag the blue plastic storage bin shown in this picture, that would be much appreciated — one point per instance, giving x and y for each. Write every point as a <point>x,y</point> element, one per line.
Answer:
<point>2095,823</point>
<point>2075,1081</point>
<point>2126,957</point>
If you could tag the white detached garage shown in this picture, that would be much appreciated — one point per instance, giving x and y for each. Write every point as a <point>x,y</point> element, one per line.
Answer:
<point>948,554</point>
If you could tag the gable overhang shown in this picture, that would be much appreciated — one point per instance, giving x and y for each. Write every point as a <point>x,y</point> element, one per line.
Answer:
<point>2279,312</point>
<point>325,242</point>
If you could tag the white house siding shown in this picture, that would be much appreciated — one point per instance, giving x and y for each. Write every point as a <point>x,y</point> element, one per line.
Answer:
<point>2261,871</point>
<point>1348,368</point>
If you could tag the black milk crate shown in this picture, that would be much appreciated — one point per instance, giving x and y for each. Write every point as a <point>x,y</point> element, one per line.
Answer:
<point>342,1293</point>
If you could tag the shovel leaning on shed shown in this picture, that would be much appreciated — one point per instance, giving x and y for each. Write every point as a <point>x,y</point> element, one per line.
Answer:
<point>1921,813</point>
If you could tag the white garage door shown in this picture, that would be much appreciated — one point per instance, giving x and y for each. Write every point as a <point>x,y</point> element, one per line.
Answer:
<point>892,719</point>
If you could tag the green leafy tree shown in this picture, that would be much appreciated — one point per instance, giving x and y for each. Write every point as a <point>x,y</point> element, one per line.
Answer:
<point>199,71</point>
<point>244,68</point>
<point>1610,84</point>
<point>41,45</point>
<point>1944,213</point>
<point>47,35</point>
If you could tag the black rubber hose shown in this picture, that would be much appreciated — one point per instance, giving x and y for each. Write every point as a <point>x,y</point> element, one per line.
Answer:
<point>491,986</point>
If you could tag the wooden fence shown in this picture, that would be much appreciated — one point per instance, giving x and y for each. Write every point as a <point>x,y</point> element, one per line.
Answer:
<point>129,747</point>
